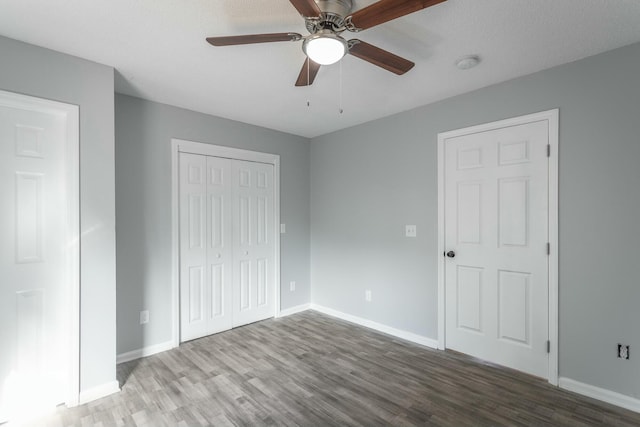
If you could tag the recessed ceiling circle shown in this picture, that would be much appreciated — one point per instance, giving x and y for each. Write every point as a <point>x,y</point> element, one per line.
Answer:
<point>467,62</point>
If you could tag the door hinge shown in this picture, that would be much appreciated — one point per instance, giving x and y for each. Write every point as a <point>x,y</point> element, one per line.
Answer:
<point>548,150</point>
<point>548,346</point>
<point>548,248</point>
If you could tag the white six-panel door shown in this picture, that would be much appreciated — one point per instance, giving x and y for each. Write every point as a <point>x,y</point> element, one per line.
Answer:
<point>496,234</point>
<point>34,284</point>
<point>253,235</point>
<point>205,245</point>
<point>227,250</point>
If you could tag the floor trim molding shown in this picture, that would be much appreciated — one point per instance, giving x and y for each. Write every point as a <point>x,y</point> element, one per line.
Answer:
<point>144,352</point>
<point>98,392</point>
<point>605,395</point>
<point>409,336</point>
<point>293,310</point>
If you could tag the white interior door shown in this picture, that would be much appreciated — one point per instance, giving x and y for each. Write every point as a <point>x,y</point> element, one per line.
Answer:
<point>227,243</point>
<point>496,235</point>
<point>34,263</point>
<point>205,245</point>
<point>254,242</point>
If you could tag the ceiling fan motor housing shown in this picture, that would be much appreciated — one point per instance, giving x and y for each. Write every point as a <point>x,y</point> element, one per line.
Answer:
<point>332,17</point>
<point>341,8</point>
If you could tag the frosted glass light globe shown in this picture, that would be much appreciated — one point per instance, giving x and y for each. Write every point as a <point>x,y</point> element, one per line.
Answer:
<point>325,49</point>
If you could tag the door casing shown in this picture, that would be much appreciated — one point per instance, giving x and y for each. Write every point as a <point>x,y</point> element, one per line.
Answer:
<point>71,113</point>
<point>183,146</point>
<point>552,117</point>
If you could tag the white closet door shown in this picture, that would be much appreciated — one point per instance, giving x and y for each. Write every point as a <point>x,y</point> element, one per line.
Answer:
<point>205,251</point>
<point>219,244</point>
<point>227,244</point>
<point>254,247</point>
<point>34,287</point>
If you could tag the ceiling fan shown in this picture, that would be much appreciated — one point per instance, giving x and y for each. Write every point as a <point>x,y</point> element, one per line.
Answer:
<point>326,20</point>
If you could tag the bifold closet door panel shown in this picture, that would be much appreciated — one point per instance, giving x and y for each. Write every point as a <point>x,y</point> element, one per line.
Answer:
<point>220,244</point>
<point>205,245</point>
<point>193,247</point>
<point>254,242</point>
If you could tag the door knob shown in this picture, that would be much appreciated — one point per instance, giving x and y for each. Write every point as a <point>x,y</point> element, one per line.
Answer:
<point>451,254</point>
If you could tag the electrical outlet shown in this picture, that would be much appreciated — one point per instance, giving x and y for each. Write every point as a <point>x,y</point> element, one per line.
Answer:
<point>623,351</point>
<point>367,295</point>
<point>411,231</point>
<point>144,317</point>
<point>292,286</point>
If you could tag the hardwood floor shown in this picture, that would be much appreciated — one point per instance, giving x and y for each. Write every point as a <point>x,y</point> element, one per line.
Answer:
<point>312,370</point>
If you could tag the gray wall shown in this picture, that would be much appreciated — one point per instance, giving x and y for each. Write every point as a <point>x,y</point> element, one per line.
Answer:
<point>35,71</point>
<point>143,208</point>
<point>367,182</point>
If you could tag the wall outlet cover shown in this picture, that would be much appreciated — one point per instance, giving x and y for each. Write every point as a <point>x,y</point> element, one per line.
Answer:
<point>144,317</point>
<point>411,231</point>
<point>623,351</point>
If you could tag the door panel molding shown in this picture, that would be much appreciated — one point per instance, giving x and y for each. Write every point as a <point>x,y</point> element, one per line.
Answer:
<point>192,147</point>
<point>508,154</point>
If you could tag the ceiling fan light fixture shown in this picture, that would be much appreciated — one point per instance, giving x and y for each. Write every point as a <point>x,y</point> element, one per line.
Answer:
<point>325,48</point>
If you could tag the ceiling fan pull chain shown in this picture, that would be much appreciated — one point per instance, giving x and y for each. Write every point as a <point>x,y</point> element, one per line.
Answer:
<point>340,91</point>
<point>308,102</point>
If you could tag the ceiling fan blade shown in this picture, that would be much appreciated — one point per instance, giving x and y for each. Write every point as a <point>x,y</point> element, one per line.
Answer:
<point>254,38</point>
<point>380,57</point>
<point>386,10</point>
<point>308,73</point>
<point>306,8</point>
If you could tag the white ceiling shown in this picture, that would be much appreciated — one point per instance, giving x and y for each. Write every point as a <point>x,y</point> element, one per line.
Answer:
<point>159,51</point>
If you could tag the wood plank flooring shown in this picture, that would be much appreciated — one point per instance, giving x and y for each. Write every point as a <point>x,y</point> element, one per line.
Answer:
<point>313,370</point>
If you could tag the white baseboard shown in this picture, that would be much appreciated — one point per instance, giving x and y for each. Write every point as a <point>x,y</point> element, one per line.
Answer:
<point>409,336</point>
<point>99,392</point>
<point>605,395</point>
<point>293,310</point>
<point>144,352</point>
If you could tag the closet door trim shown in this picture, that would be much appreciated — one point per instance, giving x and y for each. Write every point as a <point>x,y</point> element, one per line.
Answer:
<point>183,146</point>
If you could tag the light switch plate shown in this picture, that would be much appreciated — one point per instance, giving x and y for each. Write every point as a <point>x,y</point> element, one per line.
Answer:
<point>283,228</point>
<point>411,231</point>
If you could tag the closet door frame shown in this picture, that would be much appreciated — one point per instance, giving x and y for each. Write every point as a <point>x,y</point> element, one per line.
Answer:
<point>183,146</point>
